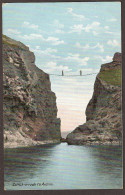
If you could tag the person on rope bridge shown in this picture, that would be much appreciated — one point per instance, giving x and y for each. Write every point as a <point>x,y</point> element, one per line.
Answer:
<point>80,73</point>
<point>62,73</point>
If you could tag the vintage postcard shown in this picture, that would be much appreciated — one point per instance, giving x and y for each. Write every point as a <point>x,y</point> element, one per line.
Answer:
<point>62,95</point>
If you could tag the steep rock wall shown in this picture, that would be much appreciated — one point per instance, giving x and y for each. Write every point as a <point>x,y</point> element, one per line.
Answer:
<point>30,111</point>
<point>103,113</point>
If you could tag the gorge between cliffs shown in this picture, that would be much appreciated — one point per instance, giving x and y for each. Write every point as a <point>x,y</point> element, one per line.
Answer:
<point>30,110</point>
<point>62,95</point>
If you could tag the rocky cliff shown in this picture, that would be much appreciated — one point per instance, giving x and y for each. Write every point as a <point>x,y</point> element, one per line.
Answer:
<point>29,105</point>
<point>103,114</point>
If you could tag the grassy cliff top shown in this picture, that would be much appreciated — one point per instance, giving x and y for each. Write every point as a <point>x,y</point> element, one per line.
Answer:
<point>112,76</point>
<point>11,42</point>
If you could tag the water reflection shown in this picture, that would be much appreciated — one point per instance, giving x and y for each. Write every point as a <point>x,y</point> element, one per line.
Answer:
<point>66,166</point>
<point>108,163</point>
<point>108,158</point>
<point>22,163</point>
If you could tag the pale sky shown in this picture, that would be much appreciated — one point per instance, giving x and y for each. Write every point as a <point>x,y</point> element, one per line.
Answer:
<point>69,37</point>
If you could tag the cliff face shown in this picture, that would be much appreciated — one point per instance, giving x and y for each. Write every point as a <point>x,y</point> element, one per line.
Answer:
<point>103,114</point>
<point>30,112</point>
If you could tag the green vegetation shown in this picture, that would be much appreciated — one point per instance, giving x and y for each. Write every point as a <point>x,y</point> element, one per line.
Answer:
<point>10,44</point>
<point>112,76</point>
<point>6,40</point>
<point>4,36</point>
<point>7,43</point>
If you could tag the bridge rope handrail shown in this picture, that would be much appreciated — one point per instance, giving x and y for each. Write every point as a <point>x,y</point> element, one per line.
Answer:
<point>71,75</point>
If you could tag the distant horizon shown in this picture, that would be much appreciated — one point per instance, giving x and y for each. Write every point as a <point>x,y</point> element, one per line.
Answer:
<point>65,133</point>
<point>72,37</point>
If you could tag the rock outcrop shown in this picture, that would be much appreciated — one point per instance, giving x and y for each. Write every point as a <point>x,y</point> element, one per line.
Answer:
<point>103,114</point>
<point>30,111</point>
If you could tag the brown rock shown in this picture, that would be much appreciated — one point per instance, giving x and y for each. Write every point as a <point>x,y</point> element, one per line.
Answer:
<point>103,113</point>
<point>30,111</point>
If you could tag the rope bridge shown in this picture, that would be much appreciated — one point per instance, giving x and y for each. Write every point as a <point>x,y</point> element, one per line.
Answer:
<point>72,75</point>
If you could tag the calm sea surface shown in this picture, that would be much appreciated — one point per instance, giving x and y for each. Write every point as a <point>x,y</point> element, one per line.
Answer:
<point>62,166</point>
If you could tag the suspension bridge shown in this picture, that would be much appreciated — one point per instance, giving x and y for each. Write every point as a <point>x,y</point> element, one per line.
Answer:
<point>80,74</point>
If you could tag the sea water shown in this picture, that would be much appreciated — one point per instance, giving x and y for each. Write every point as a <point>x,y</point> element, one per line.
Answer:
<point>63,166</point>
